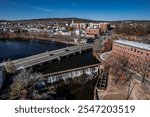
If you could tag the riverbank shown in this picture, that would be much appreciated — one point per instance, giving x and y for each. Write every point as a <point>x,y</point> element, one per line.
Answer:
<point>41,37</point>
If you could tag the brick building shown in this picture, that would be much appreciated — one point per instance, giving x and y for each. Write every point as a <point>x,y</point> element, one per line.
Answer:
<point>134,51</point>
<point>92,32</point>
<point>94,25</point>
<point>105,26</point>
<point>102,26</point>
<point>137,54</point>
<point>80,25</point>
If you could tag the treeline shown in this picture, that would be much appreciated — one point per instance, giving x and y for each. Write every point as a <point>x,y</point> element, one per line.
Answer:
<point>61,20</point>
<point>133,29</point>
<point>58,20</point>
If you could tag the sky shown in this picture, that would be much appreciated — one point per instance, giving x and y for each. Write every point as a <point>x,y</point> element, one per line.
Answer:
<point>90,9</point>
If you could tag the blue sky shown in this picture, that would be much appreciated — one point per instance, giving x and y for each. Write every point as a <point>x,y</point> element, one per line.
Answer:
<point>90,9</point>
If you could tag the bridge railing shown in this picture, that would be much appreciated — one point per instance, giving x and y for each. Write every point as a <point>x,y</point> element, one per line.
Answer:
<point>46,56</point>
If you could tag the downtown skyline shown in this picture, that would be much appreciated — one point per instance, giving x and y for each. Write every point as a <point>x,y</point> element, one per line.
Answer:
<point>96,10</point>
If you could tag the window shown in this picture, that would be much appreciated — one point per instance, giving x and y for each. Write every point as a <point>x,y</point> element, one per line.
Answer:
<point>134,49</point>
<point>142,52</point>
<point>131,49</point>
<point>147,54</point>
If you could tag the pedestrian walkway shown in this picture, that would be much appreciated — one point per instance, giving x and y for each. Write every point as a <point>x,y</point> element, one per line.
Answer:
<point>104,56</point>
<point>101,83</point>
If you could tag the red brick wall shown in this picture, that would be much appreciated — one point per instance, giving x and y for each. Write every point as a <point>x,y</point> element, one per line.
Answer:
<point>132,53</point>
<point>104,26</point>
<point>93,31</point>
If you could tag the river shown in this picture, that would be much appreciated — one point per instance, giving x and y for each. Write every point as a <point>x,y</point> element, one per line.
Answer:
<point>18,49</point>
<point>15,49</point>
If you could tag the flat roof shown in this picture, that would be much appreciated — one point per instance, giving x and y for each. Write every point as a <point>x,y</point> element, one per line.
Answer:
<point>134,44</point>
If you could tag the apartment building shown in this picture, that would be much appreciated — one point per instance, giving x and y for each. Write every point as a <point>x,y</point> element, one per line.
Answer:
<point>102,26</point>
<point>80,25</point>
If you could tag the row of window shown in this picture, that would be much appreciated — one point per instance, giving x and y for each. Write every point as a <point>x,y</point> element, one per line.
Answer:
<point>131,56</point>
<point>132,49</point>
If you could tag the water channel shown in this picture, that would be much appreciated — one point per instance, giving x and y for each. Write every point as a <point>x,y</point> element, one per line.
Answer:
<point>15,49</point>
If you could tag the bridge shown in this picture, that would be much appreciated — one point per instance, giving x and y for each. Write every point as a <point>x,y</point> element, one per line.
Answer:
<point>89,70</point>
<point>41,58</point>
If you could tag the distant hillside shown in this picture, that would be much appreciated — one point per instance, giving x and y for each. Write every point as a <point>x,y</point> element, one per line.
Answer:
<point>76,20</point>
<point>130,21</point>
<point>64,20</point>
<point>58,20</point>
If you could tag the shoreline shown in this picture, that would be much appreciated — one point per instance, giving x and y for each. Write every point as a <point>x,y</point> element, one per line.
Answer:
<point>41,39</point>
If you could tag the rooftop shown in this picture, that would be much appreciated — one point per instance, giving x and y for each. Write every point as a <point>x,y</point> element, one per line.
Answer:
<point>134,44</point>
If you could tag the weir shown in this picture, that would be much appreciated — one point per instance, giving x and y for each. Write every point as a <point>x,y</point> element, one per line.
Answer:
<point>89,70</point>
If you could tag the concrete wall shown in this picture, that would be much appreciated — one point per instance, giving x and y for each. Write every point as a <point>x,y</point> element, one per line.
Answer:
<point>72,74</point>
<point>1,77</point>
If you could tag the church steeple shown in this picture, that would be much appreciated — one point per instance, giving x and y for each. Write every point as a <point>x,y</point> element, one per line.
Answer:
<point>72,23</point>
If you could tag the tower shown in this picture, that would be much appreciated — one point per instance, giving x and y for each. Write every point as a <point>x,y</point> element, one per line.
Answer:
<point>72,23</point>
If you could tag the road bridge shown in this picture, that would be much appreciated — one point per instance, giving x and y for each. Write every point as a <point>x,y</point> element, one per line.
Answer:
<point>41,58</point>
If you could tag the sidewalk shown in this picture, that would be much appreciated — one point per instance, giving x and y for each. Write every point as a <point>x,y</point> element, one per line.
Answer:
<point>105,55</point>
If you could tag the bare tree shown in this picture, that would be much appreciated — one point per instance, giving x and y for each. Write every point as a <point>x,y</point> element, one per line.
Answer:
<point>118,64</point>
<point>134,29</point>
<point>23,84</point>
<point>143,67</point>
<point>130,89</point>
<point>108,44</point>
<point>10,67</point>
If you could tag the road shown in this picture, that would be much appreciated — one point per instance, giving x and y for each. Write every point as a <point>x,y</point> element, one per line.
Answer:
<point>48,56</point>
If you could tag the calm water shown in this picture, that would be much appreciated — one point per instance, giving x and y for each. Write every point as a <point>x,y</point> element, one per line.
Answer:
<point>75,61</point>
<point>18,49</point>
